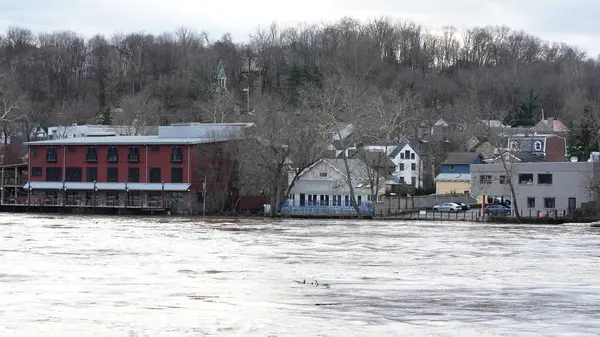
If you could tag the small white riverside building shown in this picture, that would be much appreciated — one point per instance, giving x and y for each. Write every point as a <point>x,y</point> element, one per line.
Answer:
<point>324,185</point>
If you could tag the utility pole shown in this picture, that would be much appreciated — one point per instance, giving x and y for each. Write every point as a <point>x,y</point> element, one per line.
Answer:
<point>247,90</point>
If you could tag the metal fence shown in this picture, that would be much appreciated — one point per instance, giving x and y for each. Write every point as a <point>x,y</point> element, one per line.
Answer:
<point>399,203</point>
<point>364,209</point>
<point>79,202</point>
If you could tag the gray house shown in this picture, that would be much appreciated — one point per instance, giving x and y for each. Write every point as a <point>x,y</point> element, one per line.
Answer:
<point>539,186</point>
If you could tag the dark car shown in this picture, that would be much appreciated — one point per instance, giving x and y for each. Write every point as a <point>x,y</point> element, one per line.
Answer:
<point>464,206</point>
<point>498,210</point>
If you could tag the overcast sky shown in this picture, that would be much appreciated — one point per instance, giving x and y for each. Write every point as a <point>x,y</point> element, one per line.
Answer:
<point>571,21</point>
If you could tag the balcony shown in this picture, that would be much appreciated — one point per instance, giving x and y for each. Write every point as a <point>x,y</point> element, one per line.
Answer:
<point>133,157</point>
<point>91,157</point>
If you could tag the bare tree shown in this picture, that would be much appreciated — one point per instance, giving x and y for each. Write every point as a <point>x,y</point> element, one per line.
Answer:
<point>220,108</point>
<point>12,100</point>
<point>138,112</point>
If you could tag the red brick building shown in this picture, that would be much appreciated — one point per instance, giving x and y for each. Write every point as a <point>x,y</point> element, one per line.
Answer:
<point>162,172</point>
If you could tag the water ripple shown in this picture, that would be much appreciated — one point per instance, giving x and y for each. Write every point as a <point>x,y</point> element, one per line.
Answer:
<point>132,276</point>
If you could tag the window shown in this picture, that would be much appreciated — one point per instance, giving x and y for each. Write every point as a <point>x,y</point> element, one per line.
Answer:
<point>407,154</point>
<point>112,174</point>
<point>413,166</point>
<point>51,155</point>
<point>91,156</point>
<point>176,175</point>
<point>412,155</point>
<point>401,180</point>
<point>530,202</point>
<point>323,174</point>
<point>36,171</point>
<point>218,156</point>
<point>526,179</point>
<point>217,175</point>
<point>176,195</point>
<point>177,154</point>
<point>549,202</point>
<point>452,167</point>
<point>134,154</point>
<point>337,200</point>
<point>503,180</point>
<point>33,152</point>
<point>133,175</point>
<point>91,174</point>
<point>346,200</point>
<point>72,149</point>
<point>113,154</point>
<point>201,175</point>
<point>74,174</point>
<point>413,181</point>
<point>155,175</point>
<point>359,200</point>
<point>537,145</point>
<point>401,155</point>
<point>485,179</point>
<point>155,149</point>
<point>401,167</point>
<point>545,179</point>
<point>53,173</point>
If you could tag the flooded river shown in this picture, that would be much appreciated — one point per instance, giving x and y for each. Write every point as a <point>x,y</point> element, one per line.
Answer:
<point>109,276</point>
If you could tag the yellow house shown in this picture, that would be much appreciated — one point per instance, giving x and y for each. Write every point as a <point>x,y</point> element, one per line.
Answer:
<point>456,173</point>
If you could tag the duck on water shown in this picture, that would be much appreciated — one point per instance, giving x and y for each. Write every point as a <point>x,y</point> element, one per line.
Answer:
<point>315,283</point>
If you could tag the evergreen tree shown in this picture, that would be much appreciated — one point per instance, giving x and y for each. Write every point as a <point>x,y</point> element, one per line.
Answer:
<point>106,116</point>
<point>300,76</point>
<point>527,110</point>
<point>580,141</point>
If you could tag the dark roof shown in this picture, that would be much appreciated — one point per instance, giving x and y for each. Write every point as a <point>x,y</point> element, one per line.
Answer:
<point>342,144</point>
<point>415,144</point>
<point>461,158</point>
<point>526,157</point>
<point>375,158</point>
<point>371,158</point>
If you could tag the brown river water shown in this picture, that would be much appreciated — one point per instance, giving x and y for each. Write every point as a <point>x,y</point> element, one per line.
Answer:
<point>119,276</point>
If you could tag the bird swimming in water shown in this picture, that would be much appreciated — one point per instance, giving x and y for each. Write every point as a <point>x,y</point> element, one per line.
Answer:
<point>326,285</point>
<point>301,282</point>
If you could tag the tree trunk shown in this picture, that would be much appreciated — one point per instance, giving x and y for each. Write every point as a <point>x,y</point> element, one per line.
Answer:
<point>349,182</point>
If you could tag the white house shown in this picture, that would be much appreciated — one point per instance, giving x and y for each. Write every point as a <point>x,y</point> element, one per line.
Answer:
<point>324,185</point>
<point>407,157</point>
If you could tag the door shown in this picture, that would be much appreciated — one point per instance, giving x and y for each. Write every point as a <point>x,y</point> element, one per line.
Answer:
<point>572,204</point>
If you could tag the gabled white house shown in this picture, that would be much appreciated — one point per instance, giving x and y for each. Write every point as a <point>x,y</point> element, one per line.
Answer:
<point>408,161</point>
<point>324,185</point>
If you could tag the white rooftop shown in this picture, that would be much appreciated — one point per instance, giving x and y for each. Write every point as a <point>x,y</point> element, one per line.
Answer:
<point>189,133</point>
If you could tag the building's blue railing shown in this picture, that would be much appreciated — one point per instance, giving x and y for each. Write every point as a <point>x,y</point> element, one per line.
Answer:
<point>292,208</point>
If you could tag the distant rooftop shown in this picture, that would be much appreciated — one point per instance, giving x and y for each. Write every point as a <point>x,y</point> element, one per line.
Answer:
<point>181,133</point>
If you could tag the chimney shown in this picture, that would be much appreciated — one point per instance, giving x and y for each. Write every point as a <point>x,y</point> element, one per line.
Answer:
<point>551,123</point>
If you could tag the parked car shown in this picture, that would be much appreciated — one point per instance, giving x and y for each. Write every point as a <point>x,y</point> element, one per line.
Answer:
<point>464,206</point>
<point>497,209</point>
<point>448,207</point>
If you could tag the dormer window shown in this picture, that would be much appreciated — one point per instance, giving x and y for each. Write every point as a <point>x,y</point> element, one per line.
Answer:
<point>537,145</point>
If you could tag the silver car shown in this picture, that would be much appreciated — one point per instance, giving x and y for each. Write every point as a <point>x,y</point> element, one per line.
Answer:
<point>448,207</point>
